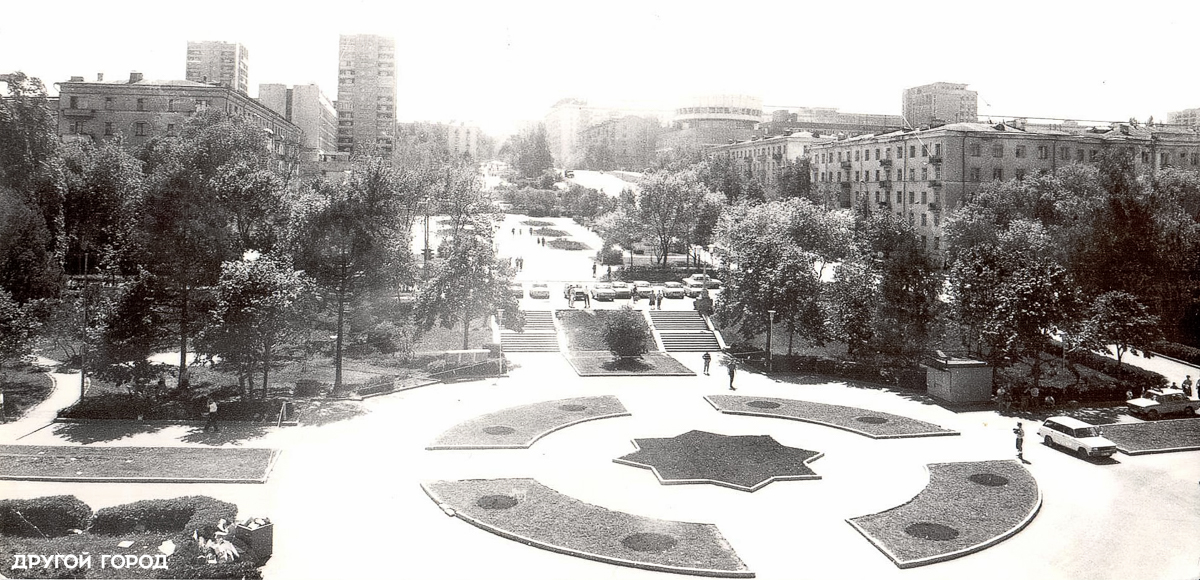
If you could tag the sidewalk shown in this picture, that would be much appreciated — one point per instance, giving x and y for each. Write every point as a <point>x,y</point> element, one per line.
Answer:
<point>64,394</point>
<point>1174,370</point>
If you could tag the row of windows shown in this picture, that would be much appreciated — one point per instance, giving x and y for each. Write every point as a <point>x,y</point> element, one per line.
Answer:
<point>880,175</point>
<point>718,110</point>
<point>998,150</point>
<point>744,153</point>
<point>139,128</point>
<point>881,153</point>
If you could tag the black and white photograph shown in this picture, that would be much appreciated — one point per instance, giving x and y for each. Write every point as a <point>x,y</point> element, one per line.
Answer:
<point>625,290</point>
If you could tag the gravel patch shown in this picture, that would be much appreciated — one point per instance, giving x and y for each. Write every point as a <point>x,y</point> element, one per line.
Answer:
<point>874,424</point>
<point>135,464</point>
<point>538,516</point>
<point>519,427</point>
<point>742,462</point>
<point>965,508</point>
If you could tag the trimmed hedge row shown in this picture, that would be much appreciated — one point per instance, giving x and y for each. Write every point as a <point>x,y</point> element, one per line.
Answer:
<point>1133,378</point>
<point>1182,352</point>
<point>867,371</point>
<point>125,406</point>
<point>53,516</point>
<point>163,515</point>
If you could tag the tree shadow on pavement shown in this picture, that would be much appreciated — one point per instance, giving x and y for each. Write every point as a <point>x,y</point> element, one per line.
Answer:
<point>229,433</point>
<point>85,433</point>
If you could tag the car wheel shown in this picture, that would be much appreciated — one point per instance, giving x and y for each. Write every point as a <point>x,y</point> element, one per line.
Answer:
<point>1082,453</point>
<point>1049,442</point>
<point>1189,410</point>
<point>1152,413</point>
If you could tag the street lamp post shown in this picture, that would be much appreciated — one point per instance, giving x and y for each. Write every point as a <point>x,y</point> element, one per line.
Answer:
<point>770,330</point>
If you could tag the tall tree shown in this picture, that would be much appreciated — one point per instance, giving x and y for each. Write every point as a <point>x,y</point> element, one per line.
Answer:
<point>909,287</point>
<point>16,330</point>
<point>104,193</point>
<point>1119,319</point>
<point>667,204</point>
<point>30,163</point>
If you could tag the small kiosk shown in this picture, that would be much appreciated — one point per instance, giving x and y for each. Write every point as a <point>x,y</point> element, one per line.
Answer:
<point>958,380</point>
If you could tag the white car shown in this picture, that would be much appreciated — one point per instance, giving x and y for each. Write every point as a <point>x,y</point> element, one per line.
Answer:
<point>1158,402</point>
<point>673,290</point>
<point>539,291</point>
<point>708,281</point>
<point>692,288</point>
<point>1075,435</point>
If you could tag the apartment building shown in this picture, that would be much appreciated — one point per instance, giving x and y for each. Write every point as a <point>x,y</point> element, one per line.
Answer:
<point>939,104</point>
<point>920,175</point>
<point>310,110</point>
<point>764,159</point>
<point>625,143</point>
<point>366,96</point>
<point>215,62</point>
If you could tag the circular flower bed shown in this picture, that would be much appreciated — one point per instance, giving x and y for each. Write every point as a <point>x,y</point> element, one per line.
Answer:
<point>931,531</point>
<point>763,404</point>
<point>648,542</point>
<point>989,479</point>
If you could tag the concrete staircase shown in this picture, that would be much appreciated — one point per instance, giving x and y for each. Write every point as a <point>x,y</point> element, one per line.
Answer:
<point>540,334</point>
<point>683,331</point>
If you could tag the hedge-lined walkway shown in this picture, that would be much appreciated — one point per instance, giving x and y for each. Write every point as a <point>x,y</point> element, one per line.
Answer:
<point>533,514</point>
<point>136,464</point>
<point>965,508</point>
<point>519,427</point>
<point>873,424</point>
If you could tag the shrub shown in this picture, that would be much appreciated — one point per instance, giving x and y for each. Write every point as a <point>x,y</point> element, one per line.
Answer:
<point>610,256</point>
<point>54,515</point>
<point>1182,352</point>
<point>550,232</point>
<point>163,515</point>
<point>625,333</point>
<point>1132,377</point>
<point>248,410</point>
<point>567,245</point>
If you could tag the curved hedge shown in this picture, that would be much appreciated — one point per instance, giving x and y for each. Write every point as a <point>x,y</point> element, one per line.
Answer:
<point>54,515</point>
<point>163,515</point>
<point>1182,352</point>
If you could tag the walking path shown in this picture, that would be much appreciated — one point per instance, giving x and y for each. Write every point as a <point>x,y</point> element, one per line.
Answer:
<point>64,394</point>
<point>1174,370</point>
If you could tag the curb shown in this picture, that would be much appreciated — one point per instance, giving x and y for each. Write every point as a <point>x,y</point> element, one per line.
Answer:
<point>833,425</point>
<point>187,422</point>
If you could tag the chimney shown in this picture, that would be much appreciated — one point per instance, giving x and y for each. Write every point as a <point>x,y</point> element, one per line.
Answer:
<point>134,77</point>
<point>99,77</point>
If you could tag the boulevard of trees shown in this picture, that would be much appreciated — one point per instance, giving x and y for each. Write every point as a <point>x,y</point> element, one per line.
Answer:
<point>206,244</point>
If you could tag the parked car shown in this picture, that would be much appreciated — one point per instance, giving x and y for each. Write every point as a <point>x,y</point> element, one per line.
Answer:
<point>692,288</point>
<point>622,289</point>
<point>1082,438</point>
<point>603,291</point>
<point>517,290</point>
<point>577,294</point>
<point>673,290</point>
<point>539,291</point>
<point>1158,402</point>
<point>643,289</point>
<point>708,281</point>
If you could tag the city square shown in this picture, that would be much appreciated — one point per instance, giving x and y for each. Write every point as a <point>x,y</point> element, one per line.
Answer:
<point>622,322</point>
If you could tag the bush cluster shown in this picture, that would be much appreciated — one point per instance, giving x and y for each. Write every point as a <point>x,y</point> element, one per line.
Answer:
<point>1130,377</point>
<point>163,515</point>
<point>1182,352</point>
<point>125,406</point>
<point>53,516</point>
<point>567,245</point>
<point>652,274</point>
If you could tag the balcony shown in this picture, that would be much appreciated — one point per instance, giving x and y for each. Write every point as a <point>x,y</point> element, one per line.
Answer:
<point>935,206</point>
<point>845,185</point>
<point>847,165</point>
<point>79,113</point>
<point>935,159</point>
<point>935,183</point>
<point>885,162</point>
<point>885,184</point>
<point>883,204</point>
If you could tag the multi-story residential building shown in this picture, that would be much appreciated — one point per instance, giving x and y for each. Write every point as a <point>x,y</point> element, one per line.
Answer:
<point>764,159</point>
<point>940,103</point>
<point>626,143</point>
<point>706,121</point>
<point>215,62</point>
<point>565,121</point>
<point>921,174</point>
<point>828,121</point>
<point>310,110</point>
<point>138,110</point>
<point>366,97</point>
<point>1184,117</point>
<point>462,140</point>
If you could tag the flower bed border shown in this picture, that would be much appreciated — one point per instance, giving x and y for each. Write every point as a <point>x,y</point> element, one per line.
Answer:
<point>538,410</point>
<point>716,402</point>
<point>1149,450</point>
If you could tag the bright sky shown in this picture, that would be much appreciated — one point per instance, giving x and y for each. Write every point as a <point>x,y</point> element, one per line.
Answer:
<point>501,62</point>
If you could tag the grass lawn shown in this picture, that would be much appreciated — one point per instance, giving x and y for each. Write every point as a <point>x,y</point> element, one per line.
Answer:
<point>550,232</point>
<point>135,464</point>
<point>567,245</point>
<point>603,364</point>
<point>585,329</point>
<point>965,508</point>
<point>23,389</point>
<point>520,427</point>
<point>1155,436</point>
<point>533,514</point>
<point>873,424</point>
<point>742,462</point>
<point>441,339</point>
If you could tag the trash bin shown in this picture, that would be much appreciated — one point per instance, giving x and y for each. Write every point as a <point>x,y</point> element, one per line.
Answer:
<point>260,539</point>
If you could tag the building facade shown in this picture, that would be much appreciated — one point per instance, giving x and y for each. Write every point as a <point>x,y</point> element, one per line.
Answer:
<point>828,121</point>
<point>215,62</point>
<point>920,175</point>
<point>366,96</point>
<point>940,104</point>
<point>1184,117</point>
<point>462,140</point>
<point>764,159</point>
<point>709,120</point>
<point>138,110</point>
<point>625,143</point>
<point>310,110</point>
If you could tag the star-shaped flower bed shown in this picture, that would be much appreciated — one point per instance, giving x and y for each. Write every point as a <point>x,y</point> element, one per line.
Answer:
<point>744,462</point>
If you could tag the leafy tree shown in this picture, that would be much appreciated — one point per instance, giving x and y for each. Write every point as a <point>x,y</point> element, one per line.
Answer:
<point>853,296</point>
<point>586,203</point>
<point>261,302</point>
<point>620,226</point>
<point>132,328</point>
<point>529,151</point>
<point>28,269</point>
<point>29,156</point>
<point>722,174</point>
<point>1119,319</point>
<point>666,204</point>
<point>909,286</point>
<point>795,180</point>
<point>625,333</point>
<point>104,193</point>
<point>17,330</point>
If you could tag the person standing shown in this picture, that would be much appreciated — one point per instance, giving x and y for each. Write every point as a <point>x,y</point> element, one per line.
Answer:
<point>1186,385</point>
<point>1019,431</point>
<point>732,372</point>
<point>593,269</point>
<point>658,300</point>
<point>707,361</point>
<point>587,299</point>
<point>212,416</point>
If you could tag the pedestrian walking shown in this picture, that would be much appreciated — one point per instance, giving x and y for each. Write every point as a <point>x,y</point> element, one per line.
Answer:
<point>707,361</point>
<point>610,273</point>
<point>1019,431</point>
<point>531,231</point>
<point>212,416</point>
<point>732,372</point>
<point>1187,385</point>
<point>658,300</point>
<point>593,269</point>
<point>587,300</point>
<point>513,232</point>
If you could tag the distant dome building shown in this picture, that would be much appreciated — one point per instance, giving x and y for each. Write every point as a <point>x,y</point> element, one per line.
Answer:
<point>709,120</point>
